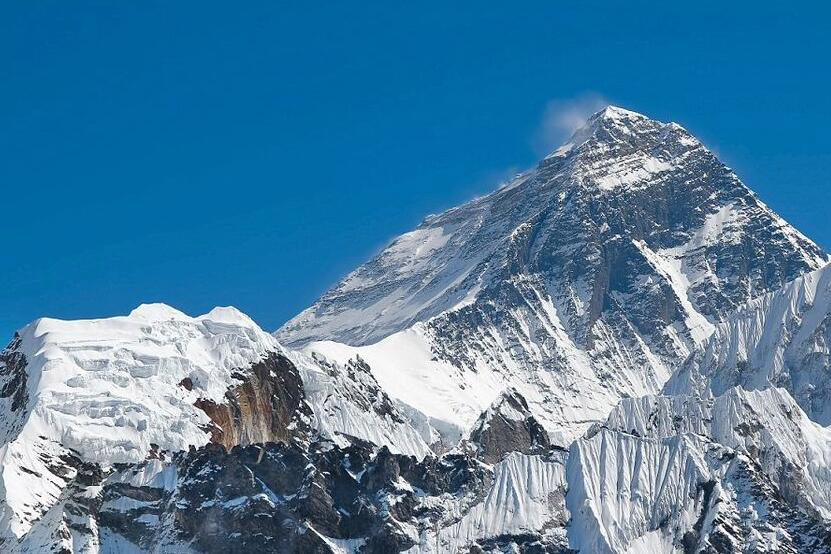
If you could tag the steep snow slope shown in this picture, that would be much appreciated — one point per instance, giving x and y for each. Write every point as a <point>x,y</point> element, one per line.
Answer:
<point>754,466</point>
<point>794,452</point>
<point>347,402</point>
<point>781,339</point>
<point>526,498</point>
<point>579,282</point>
<point>622,490</point>
<point>630,494</point>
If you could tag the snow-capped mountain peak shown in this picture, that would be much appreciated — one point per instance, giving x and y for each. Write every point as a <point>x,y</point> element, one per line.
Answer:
<point>611,118</point>
<point>117,390</point>
<point>157,311</point>
<point>622,350</point>
<point>583,280</point>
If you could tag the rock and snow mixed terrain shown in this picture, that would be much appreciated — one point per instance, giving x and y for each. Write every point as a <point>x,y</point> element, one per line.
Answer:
<point>619,350</point>
<point>780,338</point>
<point>582,281</point>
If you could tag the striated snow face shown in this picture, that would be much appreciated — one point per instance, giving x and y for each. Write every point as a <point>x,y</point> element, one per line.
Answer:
<point>526,496</point>
<point>768,425</point>
<point>623,490</point>
<point>756,468</point>
<point>781,339</point>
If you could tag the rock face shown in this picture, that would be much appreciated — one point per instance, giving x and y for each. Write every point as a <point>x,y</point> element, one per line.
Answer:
<point>14,390</point>
<point>619,351</point>
<point>268,405</point>
<point>582,281</point>
<point>507,426</point>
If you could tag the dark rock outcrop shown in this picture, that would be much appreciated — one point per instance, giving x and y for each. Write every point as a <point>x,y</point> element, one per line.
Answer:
<point>284,497</point>
<point>507,426</point>
<point>13,375</point>
<point>268,405</point>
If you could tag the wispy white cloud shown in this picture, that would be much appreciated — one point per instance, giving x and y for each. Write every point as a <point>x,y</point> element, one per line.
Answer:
<point>564,116</point>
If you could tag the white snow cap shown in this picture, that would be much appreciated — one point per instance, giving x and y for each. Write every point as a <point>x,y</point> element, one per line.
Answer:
<point>613,115</point>
<point>616,113</point>
<point>108,388</point>
<point>157,311</point>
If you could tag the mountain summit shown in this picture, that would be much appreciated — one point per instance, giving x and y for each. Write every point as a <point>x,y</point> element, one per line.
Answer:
<point>617,156</point>
<point>581,281</point>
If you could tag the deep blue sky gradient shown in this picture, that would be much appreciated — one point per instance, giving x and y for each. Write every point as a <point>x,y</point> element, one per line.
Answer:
<point>251,153</point>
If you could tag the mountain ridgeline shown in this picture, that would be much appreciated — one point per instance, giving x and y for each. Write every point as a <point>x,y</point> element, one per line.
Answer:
<point>620,350</point>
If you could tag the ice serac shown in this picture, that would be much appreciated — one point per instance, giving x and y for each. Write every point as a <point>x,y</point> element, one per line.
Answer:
<point>581,281</point>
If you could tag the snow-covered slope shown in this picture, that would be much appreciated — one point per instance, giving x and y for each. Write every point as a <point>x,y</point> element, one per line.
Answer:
<point>347,402</point>
<point>524,502</point>
<point>781,339</point>
<point>767,424</point>
<point>746,471</point>
<point>581,281</point>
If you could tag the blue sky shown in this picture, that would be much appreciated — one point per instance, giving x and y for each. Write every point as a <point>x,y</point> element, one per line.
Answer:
<point>206,153</point>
